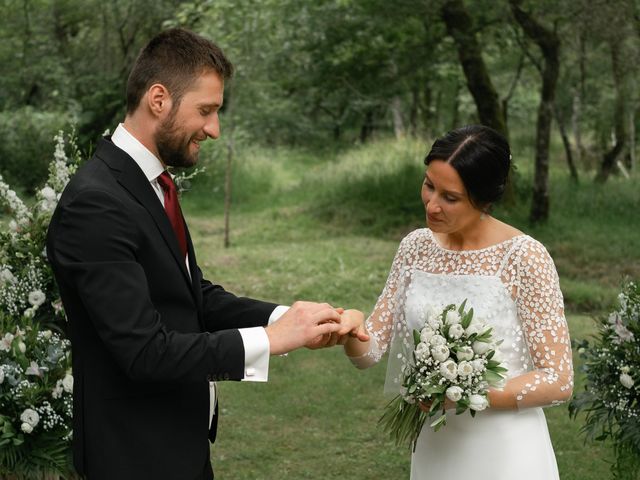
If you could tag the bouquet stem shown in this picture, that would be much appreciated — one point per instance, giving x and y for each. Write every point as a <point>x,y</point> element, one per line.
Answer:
<point>403,421</point>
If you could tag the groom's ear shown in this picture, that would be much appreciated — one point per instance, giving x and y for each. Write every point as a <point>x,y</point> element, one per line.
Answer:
<point>158,100</point>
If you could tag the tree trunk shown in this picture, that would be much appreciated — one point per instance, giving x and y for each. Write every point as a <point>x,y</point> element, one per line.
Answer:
<point>549,43</point>
<point>367,126</point>
<point>576,115</point>
<point>460,28</point>
<point>429,112</point>
<point>567,145</point>
<point>396,112</point>
<point>632,141</point>
<point>227,191</point>
<point>413,112</point>
<point>455,108</point>
<point>610,157</point>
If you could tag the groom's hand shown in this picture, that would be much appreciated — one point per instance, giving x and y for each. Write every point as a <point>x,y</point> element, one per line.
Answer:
<point>301,325</point>
<point>351,325</point>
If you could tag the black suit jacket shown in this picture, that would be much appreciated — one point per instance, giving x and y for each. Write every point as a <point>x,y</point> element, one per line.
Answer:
<point>146,336</point>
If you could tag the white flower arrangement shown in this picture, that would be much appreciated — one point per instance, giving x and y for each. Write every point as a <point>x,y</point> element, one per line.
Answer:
<point>36,383</point>
<point>611,398</point>
<point>453,359</point>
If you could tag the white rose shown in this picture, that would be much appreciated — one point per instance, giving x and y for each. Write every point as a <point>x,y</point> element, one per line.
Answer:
<point>454,393</point>
<point>623,332</point>
<point>480,348</point>
<point>498,356</point>
<point>48,193</point>
<point>453,317</point>
<point>422,351</point>
<point>432,317</point>
<point>67,383</point>
<point>626,380</point>
<point>5,343</point>
<point>47,334</point>
<point>456,331</point>
<point>478,364</point>
<point>426,334</point>
<point>7,276</point>
<point>26,428</point>
<point>440,352</point>
<point>30,417</point>
<point>22,347</point>
<point>58,389</point>
<point>478,402</point>
<point>465,369</point>
<point>625,369</point>
<point>449,370</point>
<point>437,340</point>
<point>13,226</point>
<point>476,326</point>
<point>37,298</point>
<point>465,353</point>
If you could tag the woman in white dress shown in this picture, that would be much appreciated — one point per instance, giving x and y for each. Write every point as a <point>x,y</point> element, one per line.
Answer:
<point>510,281</point>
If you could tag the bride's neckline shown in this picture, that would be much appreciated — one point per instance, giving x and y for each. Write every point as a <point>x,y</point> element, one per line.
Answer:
<point>477,250</point>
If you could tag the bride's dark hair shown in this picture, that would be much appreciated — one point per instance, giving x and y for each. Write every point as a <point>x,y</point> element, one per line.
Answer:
<point>482,158</point>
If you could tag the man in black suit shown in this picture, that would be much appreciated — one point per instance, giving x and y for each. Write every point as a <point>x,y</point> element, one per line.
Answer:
<point>148,333</point>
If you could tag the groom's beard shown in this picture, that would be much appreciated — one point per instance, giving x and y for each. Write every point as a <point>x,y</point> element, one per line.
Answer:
<point>173,145</point>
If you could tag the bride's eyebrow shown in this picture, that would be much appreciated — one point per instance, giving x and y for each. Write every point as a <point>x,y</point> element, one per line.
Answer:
<point>449,192</point>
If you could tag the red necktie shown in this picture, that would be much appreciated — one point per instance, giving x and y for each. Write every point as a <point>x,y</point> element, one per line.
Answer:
<point>172,207</point>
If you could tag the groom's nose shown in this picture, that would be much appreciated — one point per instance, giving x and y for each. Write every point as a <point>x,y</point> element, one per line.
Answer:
<point>212,127</point>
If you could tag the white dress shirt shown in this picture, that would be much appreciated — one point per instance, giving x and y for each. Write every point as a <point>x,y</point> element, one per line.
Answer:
<point>255,340</point>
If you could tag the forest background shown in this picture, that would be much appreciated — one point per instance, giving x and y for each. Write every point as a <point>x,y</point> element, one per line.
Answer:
<point>316,176</point>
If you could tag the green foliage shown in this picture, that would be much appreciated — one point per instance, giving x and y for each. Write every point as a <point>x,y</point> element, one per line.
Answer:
<point>26,144</point>
<point>611,398</point>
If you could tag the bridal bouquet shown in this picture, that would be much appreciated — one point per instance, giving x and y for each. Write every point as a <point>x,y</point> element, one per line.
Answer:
<point>453,358</point>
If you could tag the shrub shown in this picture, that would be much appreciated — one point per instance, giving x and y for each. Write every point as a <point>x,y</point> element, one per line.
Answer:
<point>26,145</point>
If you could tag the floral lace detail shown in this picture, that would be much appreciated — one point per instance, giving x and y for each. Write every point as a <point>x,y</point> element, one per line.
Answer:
<point>513,285</point>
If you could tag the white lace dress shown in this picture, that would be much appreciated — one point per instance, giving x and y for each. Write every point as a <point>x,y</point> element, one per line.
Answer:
<point>513,286</point>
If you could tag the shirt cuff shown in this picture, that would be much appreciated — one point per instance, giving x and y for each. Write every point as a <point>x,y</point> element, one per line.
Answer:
<point>256,354</point>
<point>277,313</point>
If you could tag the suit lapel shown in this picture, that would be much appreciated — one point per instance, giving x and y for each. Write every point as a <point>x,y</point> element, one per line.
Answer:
<point>195,278</point>
<point>131,177</point>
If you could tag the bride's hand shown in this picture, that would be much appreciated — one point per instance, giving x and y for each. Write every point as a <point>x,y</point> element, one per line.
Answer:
<point>352,325</point>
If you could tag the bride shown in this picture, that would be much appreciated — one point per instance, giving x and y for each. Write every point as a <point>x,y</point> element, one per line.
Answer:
<point>510,280</point>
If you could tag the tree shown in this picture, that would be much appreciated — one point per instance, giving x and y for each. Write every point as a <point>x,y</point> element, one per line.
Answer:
<point>549,44</point>
<point>460,27</point>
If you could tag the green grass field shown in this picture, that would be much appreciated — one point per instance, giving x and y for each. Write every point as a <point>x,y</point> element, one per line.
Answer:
<point>326,227</point>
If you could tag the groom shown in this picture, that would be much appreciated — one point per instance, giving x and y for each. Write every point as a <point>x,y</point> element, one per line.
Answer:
<point>148,332</point>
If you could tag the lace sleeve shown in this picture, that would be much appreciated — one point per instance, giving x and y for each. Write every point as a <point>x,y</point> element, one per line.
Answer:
<point>380,323</point>
<point>541,311</point>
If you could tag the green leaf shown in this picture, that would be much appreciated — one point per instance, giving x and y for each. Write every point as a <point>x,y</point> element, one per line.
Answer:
<point>462,305</point>
<point>492,377</point>
<point>434,389</point>
<point>460,408</point>
<point>416,337</point>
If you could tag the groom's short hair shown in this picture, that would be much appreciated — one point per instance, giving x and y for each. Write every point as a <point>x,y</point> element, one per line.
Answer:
<point>174,58</point>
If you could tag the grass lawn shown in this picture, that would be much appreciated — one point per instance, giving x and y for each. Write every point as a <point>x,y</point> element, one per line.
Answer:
<point>316,417</point>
